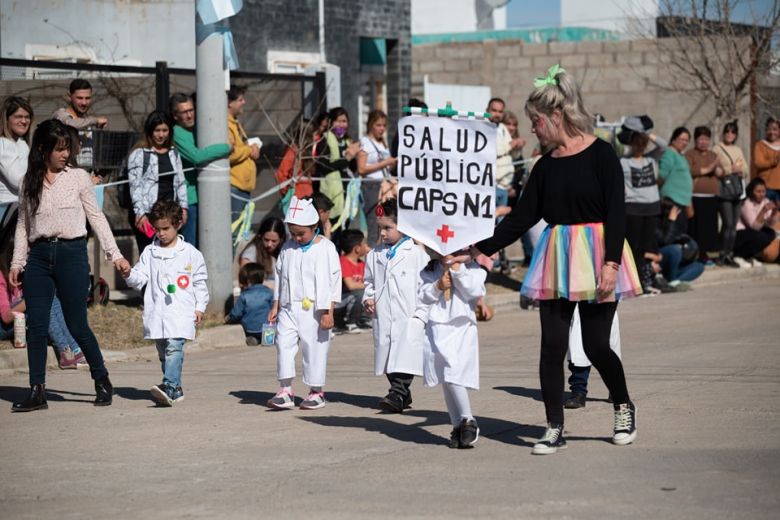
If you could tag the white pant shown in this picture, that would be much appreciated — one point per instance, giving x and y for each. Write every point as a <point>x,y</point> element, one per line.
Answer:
<point>293,325</point>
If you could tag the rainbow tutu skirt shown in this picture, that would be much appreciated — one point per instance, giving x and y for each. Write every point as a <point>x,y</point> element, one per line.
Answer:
<point>567,261</point>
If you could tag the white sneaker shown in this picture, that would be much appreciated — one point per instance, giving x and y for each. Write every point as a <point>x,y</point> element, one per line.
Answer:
<point>756,262</point>
<point>551,442</point>
<point>625,424</point>
<point>741,261</point>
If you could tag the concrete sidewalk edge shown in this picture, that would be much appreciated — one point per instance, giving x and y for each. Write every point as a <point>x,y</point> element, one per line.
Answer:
<point>232,336</point>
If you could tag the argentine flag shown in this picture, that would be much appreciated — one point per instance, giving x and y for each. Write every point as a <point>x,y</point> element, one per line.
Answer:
<point>212,11</point>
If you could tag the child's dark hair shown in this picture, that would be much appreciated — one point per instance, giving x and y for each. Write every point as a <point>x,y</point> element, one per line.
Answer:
<point>251,274</point>
<point>389,208</point>
<point>350,239</point>
<point>169,209</point>
<point>321,202</point>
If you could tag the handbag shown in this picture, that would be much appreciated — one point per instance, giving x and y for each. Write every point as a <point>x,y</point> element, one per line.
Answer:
<point>731,184</point>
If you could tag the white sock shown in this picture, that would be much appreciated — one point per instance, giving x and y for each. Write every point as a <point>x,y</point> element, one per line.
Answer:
<point>458,404</point>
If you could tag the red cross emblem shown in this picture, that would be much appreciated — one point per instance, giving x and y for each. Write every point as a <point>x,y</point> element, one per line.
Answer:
<point>183,281</point>
<point>295,208</point>
<point>445,233</point>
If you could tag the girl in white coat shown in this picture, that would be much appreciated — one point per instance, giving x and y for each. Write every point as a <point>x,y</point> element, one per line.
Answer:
<point>176,295</point>
<point>392,281</point>
<point>452,351</point>
<point>308,285</point>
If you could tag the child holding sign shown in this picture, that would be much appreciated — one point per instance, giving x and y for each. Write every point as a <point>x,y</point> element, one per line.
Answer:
<point>452,352</point>
<point>392,280</point>
<point>308,285</point>
<point>174,273</point>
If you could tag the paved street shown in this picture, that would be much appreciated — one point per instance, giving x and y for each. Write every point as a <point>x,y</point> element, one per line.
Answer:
<point>703,368</point>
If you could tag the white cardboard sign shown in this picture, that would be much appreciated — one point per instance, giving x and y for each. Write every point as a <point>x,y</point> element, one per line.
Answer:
<point>446,181</point>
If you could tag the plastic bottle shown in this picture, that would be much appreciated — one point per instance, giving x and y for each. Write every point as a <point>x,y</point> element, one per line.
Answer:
<point>20,330</point>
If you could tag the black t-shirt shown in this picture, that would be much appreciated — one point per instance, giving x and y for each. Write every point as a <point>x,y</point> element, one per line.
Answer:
<point>583,188</point>
<point>164,182</point>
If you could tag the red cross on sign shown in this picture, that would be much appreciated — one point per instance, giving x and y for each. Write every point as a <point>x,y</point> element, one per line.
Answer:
<point>295,208</point>
<point>445,233</point>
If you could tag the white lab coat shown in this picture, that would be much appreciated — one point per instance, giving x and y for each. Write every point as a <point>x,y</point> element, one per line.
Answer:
<point>393,284</point>
<point>313,275</point>
<point>171,315</point>
<point>576,349</point>
<point>452,350</point>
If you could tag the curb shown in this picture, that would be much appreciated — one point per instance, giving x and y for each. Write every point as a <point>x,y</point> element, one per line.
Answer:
<point>232,336</point>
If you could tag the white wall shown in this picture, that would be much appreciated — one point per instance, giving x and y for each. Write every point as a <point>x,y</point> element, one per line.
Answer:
<point>450,16</point>
<point>634,18</point>
<point>137,32</point>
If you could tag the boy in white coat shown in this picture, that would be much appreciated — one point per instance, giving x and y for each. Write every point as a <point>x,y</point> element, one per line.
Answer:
<point>308,286</point>
<point>452,350</point>
<point>392,280</point>
<point>176,295</point>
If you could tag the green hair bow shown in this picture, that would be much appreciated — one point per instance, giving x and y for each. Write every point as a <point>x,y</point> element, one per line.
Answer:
<point>550,78</point>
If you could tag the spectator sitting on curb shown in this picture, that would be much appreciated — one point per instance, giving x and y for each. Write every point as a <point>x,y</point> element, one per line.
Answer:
<point>253,305</point>
<point>348,313</point>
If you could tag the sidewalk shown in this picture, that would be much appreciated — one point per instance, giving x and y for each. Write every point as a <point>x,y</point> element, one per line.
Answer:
<point>500,298</point>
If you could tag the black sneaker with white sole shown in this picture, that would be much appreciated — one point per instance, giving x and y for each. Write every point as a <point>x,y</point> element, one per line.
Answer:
<point>455,437</point>
<point>469,433</point>
<point>551,441</point>
<point>625,424</point>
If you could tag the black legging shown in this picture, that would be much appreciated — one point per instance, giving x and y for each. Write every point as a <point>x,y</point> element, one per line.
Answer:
<point>640,233</point>
<point>729,216</point>
<point>596,322</point>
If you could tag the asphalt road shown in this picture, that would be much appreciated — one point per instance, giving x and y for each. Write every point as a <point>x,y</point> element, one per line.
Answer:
<point>703,368</point>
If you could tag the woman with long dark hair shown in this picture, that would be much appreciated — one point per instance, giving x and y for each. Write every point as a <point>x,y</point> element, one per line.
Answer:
<point>735,170</point>
<point>155,173</point>
<point>51,248</point>
<point>265,247</point>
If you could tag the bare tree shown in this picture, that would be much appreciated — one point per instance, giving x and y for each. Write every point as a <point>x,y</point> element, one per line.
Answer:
<point>708,52</point>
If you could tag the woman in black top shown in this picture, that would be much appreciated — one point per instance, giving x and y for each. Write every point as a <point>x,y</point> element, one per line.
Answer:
<point>581,257</point>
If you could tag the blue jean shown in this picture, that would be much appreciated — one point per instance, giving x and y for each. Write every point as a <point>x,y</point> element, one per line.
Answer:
<point>190,229</point>
<point>61,268</point>
<point>671,265</point>
<point>59,334</point>
<point>171,352</point>
<point>578,380</point>
<point>237,205</point>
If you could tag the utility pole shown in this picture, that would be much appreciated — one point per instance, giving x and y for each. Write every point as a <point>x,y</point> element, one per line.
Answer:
<point>215,238</point>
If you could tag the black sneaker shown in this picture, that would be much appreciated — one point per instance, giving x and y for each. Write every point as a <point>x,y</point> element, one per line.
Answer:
<point>625,424</point>
<point>162,395</point>
<point>408,401</point>
<point>392,403</point>
<point>551,442</point>
<point>577,400</point>
<point>469,433</point>
<point>455,438</point>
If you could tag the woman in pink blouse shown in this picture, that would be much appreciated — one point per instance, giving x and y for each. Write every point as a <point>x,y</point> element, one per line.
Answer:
<point>51,248</point>
<point>756,236</point>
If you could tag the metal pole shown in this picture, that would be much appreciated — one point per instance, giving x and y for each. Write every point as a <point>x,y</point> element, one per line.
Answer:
<point>162,85</point>
<point>214,178</point>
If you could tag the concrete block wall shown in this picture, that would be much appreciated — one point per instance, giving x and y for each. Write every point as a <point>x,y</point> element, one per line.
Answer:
<point>617,78</point>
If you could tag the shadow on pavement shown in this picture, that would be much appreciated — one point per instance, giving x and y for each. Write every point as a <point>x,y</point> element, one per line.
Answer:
<point>13,394</point>
<point>533,393</point>
<point>132,394</point>
<point>252,397</point>
<point>361,401</point>
<point>401,432</point>
<point>495,429</point>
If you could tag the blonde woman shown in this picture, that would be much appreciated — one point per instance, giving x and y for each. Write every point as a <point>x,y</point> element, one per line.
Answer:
<point>374,163</point>
<point>582,258</point>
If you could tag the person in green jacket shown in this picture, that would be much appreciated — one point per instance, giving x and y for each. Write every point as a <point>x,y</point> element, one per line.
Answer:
<point>183,112</point>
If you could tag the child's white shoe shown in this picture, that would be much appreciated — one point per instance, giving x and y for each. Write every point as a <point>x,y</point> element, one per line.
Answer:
<point>283,400</point>
<point>313,401</point>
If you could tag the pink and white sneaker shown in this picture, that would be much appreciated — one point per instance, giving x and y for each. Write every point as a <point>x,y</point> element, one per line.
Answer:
<point>283,400</point>
<point>313,401</point>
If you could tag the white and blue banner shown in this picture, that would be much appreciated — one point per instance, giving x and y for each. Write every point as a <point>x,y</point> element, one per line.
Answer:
<point>212,11</point>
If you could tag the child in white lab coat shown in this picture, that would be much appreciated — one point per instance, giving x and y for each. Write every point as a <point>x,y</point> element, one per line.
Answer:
<point>452,350</point>
<point>392,280</point>
<point>176,295</point>
<point>308,285</point>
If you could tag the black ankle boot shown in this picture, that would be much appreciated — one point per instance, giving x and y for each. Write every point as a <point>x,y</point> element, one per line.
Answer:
<point>105,392</point>
<point>35,401</point>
